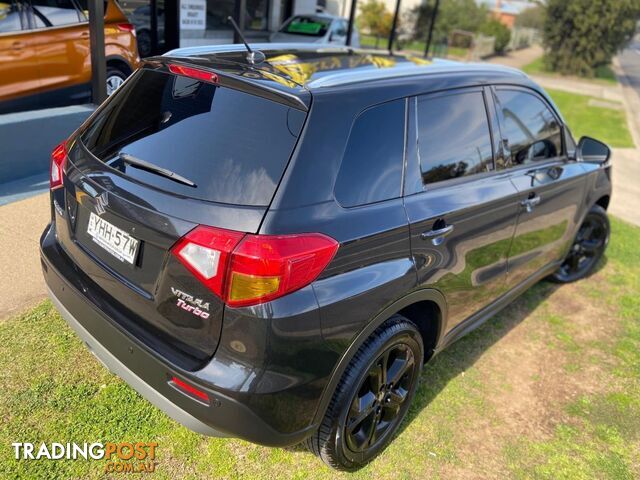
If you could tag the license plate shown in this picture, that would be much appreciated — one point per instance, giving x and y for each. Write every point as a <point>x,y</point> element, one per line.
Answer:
<point>113,239</point>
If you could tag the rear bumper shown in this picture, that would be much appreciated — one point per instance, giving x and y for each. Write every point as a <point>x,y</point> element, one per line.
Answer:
<point>144,370</point>
<point>120,369</point>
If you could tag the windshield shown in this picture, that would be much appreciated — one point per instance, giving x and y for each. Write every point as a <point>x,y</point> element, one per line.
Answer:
<point>232,145</point>
<point>307,25</point>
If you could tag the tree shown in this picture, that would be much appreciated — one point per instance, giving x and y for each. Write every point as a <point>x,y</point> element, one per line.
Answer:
<point>494,28</point>
<point>453,15</point>
<point>375,18</point>
<point>533,17</point>
<point>581,35</point>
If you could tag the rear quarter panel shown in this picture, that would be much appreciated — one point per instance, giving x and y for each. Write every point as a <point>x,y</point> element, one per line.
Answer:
<point>373,266</point>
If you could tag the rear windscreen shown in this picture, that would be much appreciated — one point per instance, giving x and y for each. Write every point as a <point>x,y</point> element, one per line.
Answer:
<point>233,146</point>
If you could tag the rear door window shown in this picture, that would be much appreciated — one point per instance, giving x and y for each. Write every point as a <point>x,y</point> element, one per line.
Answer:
<point>454,139</point>
<point>371,169</point>
<point>232,145</point>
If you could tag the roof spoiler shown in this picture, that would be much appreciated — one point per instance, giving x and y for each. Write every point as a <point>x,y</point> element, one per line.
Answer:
<point>256,82</point>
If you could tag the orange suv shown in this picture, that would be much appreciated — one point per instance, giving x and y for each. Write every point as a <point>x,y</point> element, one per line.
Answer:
<point>45,54</point>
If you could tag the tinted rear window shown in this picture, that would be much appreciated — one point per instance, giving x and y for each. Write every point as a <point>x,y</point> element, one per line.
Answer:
<point>371,169</point>
<point>232,145</point>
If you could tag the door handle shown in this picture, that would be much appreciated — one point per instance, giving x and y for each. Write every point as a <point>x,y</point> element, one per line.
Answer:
<point>17,45</point>
<point>530,202</point>
<point>84,34</point>
<point>437,236</point>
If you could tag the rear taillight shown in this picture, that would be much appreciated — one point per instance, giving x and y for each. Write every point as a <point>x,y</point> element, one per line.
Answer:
<point>246,270</point>
<point>196,73</point>
<point>126,27</point>
<point>58,159</point>
<point>205,251</point>
<point>264,267</point>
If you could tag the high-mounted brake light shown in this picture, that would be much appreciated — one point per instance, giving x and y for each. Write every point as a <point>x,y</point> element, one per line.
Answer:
<point>198,74</point>
<point>245,270</point>
<point>58,160</point>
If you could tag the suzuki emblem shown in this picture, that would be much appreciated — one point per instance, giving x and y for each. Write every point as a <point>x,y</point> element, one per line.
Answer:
<point>102,202</point>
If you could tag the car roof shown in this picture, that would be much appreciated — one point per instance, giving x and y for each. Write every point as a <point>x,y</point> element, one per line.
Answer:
<point>301,69</point>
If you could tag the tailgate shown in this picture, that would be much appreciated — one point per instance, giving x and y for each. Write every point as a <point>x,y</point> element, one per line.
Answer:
<point>121,220</point>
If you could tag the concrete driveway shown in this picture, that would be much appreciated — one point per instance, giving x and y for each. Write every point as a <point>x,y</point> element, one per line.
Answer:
<point>21,282</point>
<point>625,201</point>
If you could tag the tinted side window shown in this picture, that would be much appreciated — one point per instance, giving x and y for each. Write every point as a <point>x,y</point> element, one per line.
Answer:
<point>454,139</point>
<point>532,130</point>
<point>10,14</point>
<point>371,169</point>
<point>56,12</point>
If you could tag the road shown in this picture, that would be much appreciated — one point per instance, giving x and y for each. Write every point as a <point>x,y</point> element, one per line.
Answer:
<point>626,162</point>
<point>630,63</point>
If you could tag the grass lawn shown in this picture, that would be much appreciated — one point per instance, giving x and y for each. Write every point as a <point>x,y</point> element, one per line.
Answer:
<point>602,74</point>
<point>548,389</point>
<point>369,41</point>
<point>606,124</point>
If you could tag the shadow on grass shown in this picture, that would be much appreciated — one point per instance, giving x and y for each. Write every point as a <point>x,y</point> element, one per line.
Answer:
<point>462,354</point>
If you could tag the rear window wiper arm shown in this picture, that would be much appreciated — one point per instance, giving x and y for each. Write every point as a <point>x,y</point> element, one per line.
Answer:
<point>150,167</point>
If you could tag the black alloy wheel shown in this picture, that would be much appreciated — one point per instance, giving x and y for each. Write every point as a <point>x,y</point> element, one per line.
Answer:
<point>372,397</point>
<point>587,248</point>
<point>377,404</point>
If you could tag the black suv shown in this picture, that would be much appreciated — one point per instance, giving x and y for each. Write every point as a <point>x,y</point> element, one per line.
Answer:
<point>273,250</point>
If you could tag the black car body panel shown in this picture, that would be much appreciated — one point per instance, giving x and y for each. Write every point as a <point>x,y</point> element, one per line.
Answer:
<point>231,412</point>
<point>446,251</point>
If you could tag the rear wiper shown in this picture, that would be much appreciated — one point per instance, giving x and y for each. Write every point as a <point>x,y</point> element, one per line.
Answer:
<point>150,167</point>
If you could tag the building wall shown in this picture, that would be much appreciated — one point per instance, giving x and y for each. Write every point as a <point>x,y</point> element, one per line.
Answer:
<point>191,38</point>
<point>507,19</point>
<point>300,7</point>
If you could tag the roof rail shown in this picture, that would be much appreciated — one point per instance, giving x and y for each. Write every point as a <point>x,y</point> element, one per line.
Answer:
<point>404,70</point>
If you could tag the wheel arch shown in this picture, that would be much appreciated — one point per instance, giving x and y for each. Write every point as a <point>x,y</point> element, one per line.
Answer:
<point>603,201</point>
<point>120,63</point>
<point>418,307</point>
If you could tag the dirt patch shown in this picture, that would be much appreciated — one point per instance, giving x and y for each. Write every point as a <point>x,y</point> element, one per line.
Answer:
<point>539,365</point>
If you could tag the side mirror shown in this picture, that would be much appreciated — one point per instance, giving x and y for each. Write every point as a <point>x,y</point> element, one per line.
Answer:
<point>592,151</point>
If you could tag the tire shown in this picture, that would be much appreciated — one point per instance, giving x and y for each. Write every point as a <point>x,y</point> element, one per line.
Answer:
<point>115,78</point>
<point>398,344</point>
<point>587,248</point>
<point>144,42</point>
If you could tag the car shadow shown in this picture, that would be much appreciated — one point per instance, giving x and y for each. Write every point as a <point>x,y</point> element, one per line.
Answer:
<point>463,354</point>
